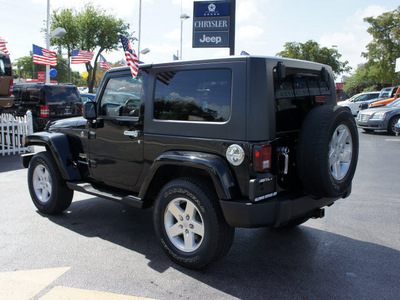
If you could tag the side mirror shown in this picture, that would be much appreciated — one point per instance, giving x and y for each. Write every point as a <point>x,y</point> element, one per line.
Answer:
<point>89,110</point>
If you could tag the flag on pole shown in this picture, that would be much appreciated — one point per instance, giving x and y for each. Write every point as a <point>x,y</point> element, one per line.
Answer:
<point>80,57</point>
<point>42,56</point>
<point>3,45</point>
<point>130,55</point>
<point>104,64</point>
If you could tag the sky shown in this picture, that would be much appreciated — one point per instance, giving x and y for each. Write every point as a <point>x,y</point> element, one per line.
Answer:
<point>262,26</point>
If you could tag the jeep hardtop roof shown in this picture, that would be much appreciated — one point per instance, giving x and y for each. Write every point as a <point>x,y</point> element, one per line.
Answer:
<point>294,63</point>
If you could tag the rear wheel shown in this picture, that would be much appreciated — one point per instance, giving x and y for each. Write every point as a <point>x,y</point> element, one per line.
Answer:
<point>190,225</point>
<point>46,186</point>
<point>327,151</point>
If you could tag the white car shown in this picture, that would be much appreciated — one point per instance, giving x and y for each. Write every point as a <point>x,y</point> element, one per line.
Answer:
<point>354,102</point>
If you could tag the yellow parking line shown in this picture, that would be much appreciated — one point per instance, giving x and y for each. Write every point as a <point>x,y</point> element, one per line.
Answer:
<point>22,285</point>
<point>64,293</point>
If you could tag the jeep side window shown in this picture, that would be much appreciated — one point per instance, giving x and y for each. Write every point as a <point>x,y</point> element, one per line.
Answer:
<point>122,96</point>
<point>196,95</point>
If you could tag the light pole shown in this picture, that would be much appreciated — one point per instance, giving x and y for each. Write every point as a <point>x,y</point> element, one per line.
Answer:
<point>48,41</point>
<point>183,18</point>
<point>140,27</point>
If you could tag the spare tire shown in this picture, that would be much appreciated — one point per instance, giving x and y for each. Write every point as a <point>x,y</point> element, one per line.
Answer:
<point>327,151</point>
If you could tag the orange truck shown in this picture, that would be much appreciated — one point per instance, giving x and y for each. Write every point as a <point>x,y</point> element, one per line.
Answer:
<point>394,93</point>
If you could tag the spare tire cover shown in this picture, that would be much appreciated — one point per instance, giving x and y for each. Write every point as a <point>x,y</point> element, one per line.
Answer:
<point>327,151</point>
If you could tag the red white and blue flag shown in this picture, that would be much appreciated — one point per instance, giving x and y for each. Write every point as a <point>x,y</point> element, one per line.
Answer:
<point>81,57</point>
<point>3,45</point>
<point>130,56</point>
<point>104,64</point>
<point>42,56</point>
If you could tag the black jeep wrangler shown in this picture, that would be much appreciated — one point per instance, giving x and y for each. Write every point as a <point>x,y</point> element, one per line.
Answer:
<point>209,144</point>
<point>46,102</point>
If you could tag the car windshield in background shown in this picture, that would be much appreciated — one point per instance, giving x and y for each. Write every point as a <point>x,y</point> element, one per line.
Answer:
<point>385,93</point>
<point>62,93</point>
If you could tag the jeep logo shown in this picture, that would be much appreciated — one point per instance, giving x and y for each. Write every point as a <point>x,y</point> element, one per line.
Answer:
<point>211,39</point>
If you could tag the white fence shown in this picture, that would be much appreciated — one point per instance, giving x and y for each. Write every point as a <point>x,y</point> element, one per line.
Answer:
<point>13,131</point>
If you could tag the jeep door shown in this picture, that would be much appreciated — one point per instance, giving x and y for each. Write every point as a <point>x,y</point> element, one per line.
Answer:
<point>116,137</point>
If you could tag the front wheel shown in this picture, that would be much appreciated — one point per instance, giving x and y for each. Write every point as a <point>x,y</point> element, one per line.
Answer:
<point>47,188</point>
<point>190,225</point>
<point>392,123</point>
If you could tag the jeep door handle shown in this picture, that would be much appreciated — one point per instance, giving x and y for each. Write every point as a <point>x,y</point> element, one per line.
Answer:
<point>134,133</point>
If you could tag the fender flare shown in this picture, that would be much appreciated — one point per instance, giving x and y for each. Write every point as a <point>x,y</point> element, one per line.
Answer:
<point>58,145</point>
<point>214,165</point>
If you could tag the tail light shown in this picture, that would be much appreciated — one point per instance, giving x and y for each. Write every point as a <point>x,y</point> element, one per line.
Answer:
<point>11,87</point>
<point>44,111</point>
<point>262,158</point>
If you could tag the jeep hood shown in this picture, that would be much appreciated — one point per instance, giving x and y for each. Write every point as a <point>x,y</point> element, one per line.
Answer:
<point>68,123</point>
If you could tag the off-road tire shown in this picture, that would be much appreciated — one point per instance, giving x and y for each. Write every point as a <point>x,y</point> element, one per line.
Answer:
<point>187,248</point>
<point>47,188</point>
<point>327,151</point>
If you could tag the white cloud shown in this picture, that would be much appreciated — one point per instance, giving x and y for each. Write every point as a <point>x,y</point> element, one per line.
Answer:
<point>249,32</point>
<point>248,11</point>
<point>173,35</point>
<point>352,39</point>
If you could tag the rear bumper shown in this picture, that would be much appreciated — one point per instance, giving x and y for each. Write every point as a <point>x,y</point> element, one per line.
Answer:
<point>271,213</point>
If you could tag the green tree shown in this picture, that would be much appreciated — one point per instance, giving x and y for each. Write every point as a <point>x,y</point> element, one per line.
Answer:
<point>385,47</point>
<point>360,81</point>
<point>89,29</point>
<point>312,51</point>
<point>25,68</point>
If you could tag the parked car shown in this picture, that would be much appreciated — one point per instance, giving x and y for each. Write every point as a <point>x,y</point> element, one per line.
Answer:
<point>6,81</point>
<point>380,118</point>
<point>354,102</point>
<point>87,97</point>
<point>209,144</point>
<point>46,102</point>
<point>394,93</point>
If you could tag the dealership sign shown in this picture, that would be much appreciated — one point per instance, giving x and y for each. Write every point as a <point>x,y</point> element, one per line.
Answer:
<point>211,24</point>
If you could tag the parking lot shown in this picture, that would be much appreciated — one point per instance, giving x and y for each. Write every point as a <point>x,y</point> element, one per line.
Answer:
<point>99,249</point>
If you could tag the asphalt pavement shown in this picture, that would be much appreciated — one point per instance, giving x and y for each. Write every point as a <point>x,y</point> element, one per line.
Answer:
<point>99,249</point>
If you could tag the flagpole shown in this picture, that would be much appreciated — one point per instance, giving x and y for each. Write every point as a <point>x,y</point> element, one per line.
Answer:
<point>48,40</point>
<point>140,27</point>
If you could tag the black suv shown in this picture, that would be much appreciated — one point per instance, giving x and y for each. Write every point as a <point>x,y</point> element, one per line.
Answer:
<point>209,144</point>
<point>46,102</point>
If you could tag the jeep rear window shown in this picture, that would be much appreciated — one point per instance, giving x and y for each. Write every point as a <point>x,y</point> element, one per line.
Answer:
<point>62,94</point>
<point>196,95</point>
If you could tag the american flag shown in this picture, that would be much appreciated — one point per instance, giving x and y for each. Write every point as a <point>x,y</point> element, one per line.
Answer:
<point>3,46</point>
<point>80,57</point>
<point>42,56</point>
<point>130,55</point>
<point>104,64</point>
